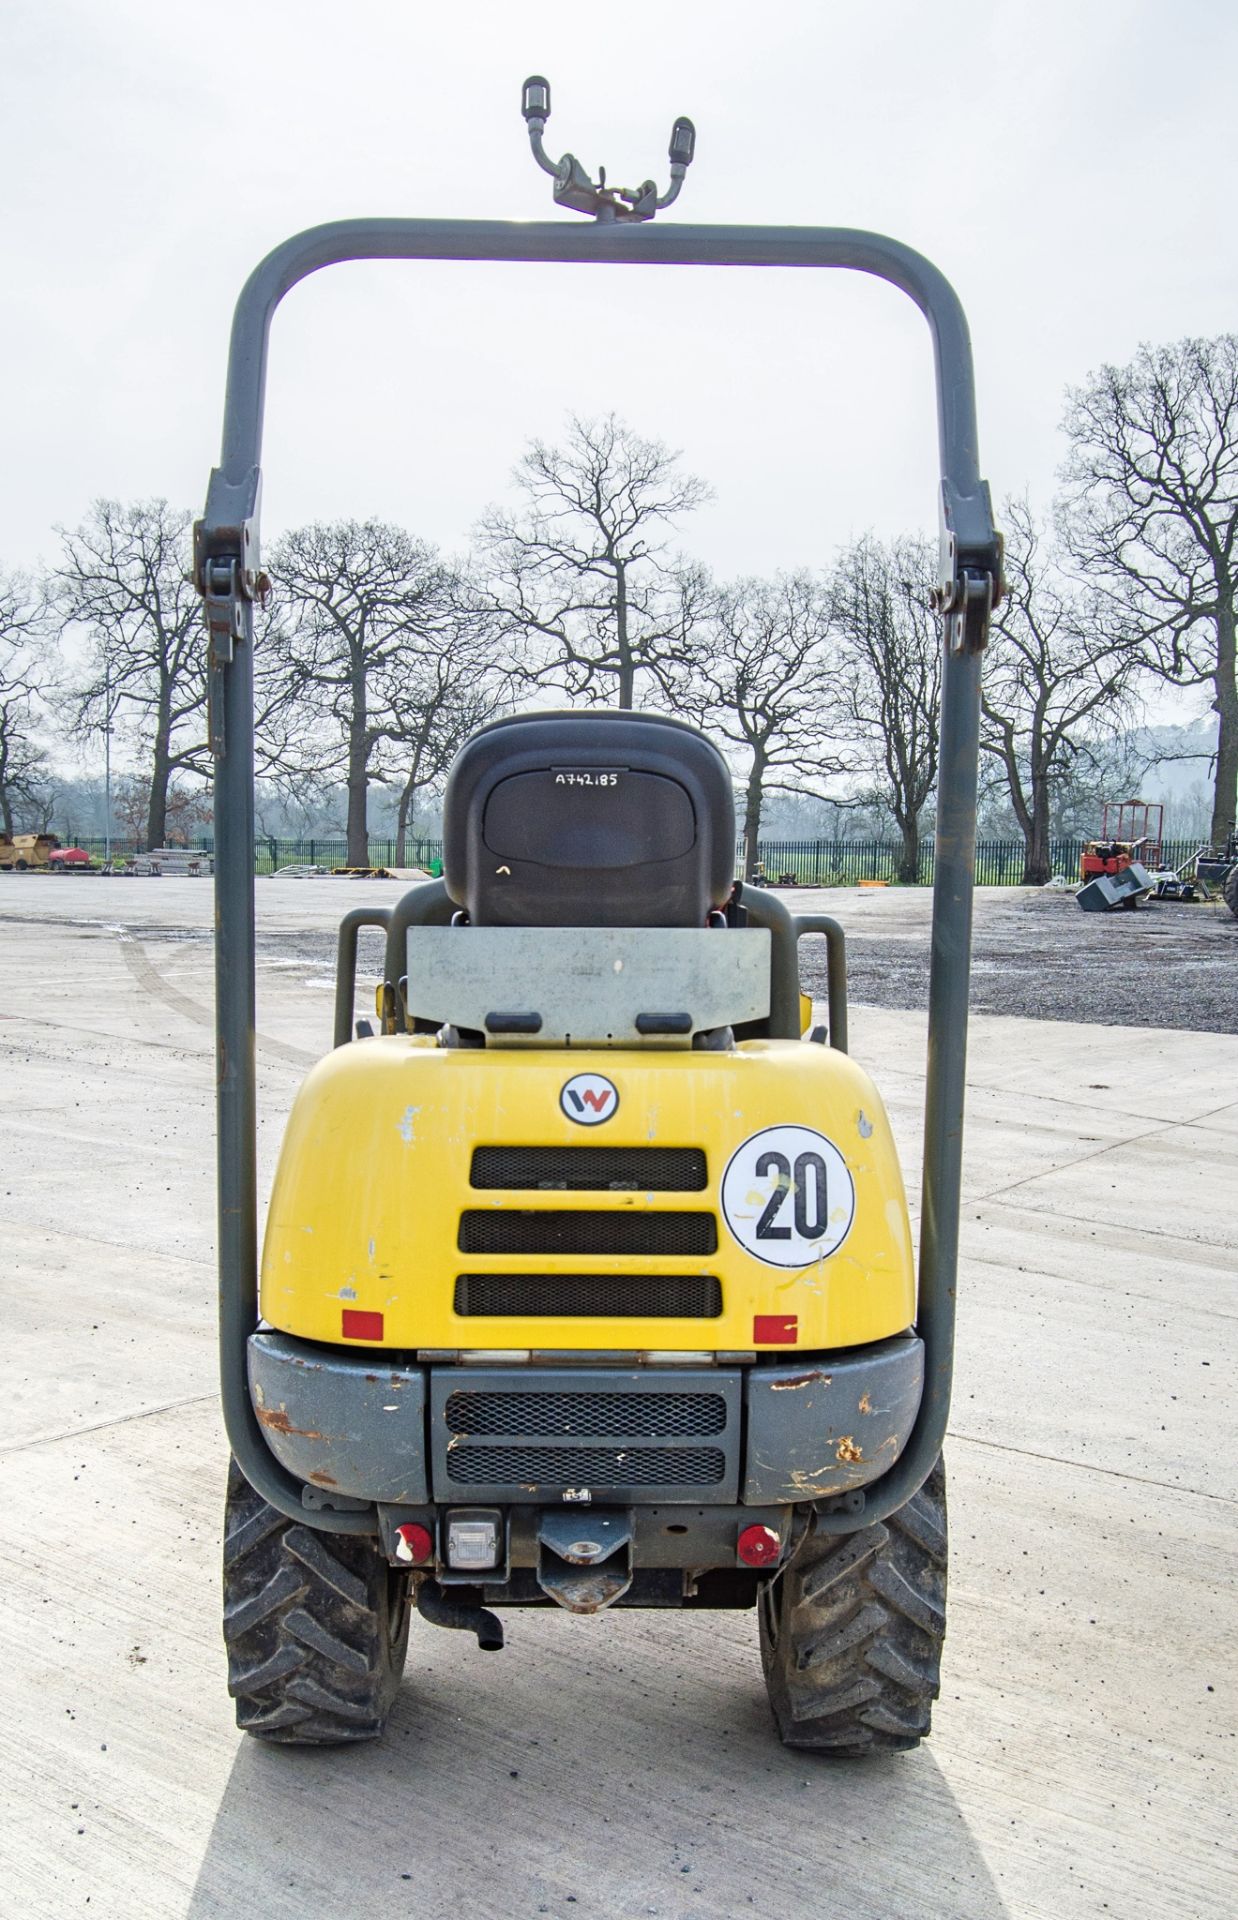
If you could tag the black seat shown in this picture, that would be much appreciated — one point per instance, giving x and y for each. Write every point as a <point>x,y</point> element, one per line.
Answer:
<point>610,819</point>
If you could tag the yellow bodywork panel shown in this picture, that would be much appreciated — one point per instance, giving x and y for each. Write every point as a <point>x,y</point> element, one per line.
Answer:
<point>374,1177</point>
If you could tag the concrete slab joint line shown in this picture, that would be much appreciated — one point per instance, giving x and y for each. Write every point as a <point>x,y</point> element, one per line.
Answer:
<point>114,1420</point>
<point>1110,1146</point>
<point>1086,1466</point>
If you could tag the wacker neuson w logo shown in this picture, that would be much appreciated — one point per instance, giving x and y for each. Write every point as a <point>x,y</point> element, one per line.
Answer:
<point>589,1099</point>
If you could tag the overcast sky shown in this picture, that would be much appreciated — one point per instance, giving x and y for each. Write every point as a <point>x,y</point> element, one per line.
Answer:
<point>1069,164</point>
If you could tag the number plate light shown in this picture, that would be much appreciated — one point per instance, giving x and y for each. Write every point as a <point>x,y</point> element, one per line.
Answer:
<point>474,1541</point>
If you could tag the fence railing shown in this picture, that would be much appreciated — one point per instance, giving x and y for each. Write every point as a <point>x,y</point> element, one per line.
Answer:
<point>811,863</point>
<point>999,863</point>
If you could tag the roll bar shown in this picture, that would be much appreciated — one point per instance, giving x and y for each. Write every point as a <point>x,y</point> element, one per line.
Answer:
<point>227,569</point>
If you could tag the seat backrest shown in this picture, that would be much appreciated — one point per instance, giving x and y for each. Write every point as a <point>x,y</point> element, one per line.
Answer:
<point>607,819</point>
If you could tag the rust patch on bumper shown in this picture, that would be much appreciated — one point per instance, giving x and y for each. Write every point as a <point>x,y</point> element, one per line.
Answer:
<point>277,1419</point>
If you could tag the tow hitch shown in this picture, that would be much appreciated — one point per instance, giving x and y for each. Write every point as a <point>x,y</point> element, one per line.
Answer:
<point>584,1561</point>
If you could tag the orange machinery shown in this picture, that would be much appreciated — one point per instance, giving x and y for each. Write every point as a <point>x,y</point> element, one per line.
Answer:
<point>1130,830</point>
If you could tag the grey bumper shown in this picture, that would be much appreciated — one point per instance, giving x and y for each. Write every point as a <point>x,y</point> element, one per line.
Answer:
<point>823,1427</point>
<point>342,1420</point>
<point>351,1423</point>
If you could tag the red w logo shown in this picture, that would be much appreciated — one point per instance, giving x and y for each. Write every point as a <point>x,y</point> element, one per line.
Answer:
<point>591,1097</point>
<point>588,1099</point>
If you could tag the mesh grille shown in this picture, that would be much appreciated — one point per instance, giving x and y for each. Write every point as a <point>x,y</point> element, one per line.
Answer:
<point>585,1169</point>
<point>635,1296</point>
<point>548,1232</point>
<point>532,1467</point>
<point>638,1416</point>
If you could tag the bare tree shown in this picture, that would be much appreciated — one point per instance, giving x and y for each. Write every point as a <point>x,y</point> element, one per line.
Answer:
<point>24,769</point>
<point>1110,764</point>
<point>759,675</point>
<point>432,705</point>
<point>1151,517</point>
<point>357,604</point>
<point>1051,669</point>
<point>187,809</point>
<point>373,667</point>
<point>581,575</point>
<point>888,686</point>
<point>122,580</point>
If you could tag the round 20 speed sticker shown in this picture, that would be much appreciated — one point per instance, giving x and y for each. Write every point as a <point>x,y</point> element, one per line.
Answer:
<point>788,1197</point>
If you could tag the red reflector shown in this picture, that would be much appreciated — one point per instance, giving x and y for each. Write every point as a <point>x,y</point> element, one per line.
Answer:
<point>775,1329</point>
<point>355,1325</point>
<point>758,1546</point>
<point>414,1542</point>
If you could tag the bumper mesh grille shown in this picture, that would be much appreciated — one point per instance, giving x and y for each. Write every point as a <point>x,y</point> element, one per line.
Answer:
<point>603,1232</point>
<point>593,1467</point>
<point>511,1434</point>
<point>672,1296</point>
<point>637,1416</point>
<point>591,1169</point>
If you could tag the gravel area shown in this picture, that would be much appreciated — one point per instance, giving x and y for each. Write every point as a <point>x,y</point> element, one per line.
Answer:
<point>1036,954</point>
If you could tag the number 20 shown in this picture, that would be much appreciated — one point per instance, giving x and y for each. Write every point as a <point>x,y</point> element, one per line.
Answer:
<point>810,1186</point>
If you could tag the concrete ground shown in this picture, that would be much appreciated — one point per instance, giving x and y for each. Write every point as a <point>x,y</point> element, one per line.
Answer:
<point>1083,1760</point>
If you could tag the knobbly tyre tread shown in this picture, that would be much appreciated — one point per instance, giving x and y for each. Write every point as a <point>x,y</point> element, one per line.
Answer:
<point>1230,890</point>
<point>852,1630</point>
<point>315,1624</point>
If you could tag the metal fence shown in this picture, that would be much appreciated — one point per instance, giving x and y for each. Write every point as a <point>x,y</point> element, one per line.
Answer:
<point>999,863</point>
<point>812,863</point>
<point>270,855</point>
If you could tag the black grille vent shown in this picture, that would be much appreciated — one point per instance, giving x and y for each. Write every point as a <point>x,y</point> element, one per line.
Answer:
<point>659,1433</point>
<point>591,1169</point>
<point>637,1416</point>
<point>591,1467</point>
<point>609,1232</point>
<point>606,1296</point>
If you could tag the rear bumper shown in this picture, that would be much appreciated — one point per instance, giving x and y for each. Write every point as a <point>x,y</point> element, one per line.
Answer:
<point>356,1424</point>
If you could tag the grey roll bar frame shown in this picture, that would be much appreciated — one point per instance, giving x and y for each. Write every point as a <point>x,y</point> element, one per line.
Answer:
<point>346,965</point>
<point>227,571</point>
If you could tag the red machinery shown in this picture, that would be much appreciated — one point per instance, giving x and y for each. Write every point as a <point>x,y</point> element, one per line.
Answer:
<point>1130,830</point>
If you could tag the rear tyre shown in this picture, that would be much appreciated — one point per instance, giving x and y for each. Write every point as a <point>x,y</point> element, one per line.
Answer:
<point>1230,890</point>
<point>316,1626</point>
<point>852,1629</point>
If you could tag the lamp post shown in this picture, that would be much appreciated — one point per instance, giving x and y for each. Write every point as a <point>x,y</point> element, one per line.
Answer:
<point>107,757</point>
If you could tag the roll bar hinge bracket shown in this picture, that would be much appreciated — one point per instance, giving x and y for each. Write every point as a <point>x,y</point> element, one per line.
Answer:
<point>225,583</point>
<point>965,607</point>
<point>221,596</point>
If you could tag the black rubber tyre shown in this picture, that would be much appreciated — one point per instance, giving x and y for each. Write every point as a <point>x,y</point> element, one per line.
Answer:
<point>852,1628</point>
<point>1230,890</point>
<point>316,1626</point>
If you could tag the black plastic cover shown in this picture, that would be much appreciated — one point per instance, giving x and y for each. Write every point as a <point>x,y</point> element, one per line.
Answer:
<point>609,819</point>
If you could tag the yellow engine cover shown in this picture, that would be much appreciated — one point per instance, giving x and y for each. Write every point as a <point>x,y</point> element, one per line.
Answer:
<point>795,1230</point>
